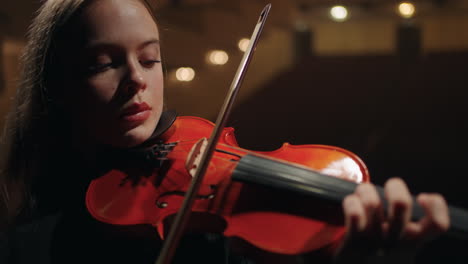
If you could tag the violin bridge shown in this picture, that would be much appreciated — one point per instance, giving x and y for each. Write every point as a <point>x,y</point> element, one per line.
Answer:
<point>193,158</point>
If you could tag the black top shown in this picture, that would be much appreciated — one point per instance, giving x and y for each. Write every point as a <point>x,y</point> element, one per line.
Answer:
<point>66,238</point>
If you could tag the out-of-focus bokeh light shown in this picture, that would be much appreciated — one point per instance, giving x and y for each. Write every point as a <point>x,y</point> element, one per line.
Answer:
<point>243,44</point>
<point>406,9</point>
<point>218,57</point>
<point>339,13</point>
<point>185,74</point>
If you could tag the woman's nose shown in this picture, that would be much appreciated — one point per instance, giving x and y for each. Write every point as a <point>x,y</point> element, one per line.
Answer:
<point>135,80</point>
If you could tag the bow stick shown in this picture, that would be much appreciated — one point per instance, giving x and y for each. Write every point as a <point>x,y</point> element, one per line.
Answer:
<point>182,217</point>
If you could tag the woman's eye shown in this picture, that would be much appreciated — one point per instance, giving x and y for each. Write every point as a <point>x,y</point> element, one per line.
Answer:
<point>99,67</point>
<point>149,63</point>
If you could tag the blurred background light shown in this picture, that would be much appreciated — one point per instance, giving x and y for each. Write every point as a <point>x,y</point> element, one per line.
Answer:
<point>406,9</point>
<point>339,13</point>
<point>185,74</point>
<point>243,44</point>
<point>218,57</point>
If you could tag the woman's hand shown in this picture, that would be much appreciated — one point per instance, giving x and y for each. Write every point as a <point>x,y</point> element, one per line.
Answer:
<point>374,236</point>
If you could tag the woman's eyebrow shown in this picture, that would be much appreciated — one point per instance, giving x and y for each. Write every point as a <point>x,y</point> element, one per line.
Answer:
<point>99,47</point>
<point>148,42</point>
<point>93,47</point>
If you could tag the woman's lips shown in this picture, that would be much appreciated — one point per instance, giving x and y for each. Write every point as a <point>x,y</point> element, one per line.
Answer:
<point>136,113</point>
<point>136,117</point>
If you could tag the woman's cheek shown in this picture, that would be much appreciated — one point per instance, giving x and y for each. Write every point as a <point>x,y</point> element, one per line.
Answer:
<point>93,105</point>
<point>102,89</point>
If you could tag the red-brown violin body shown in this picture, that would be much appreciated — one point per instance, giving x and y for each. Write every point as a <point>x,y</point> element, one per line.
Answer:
<point>272,220</point>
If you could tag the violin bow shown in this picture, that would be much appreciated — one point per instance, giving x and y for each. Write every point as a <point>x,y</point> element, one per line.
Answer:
<point>181,220</point>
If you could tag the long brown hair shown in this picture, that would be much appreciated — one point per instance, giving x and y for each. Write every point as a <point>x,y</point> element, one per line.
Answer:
<point>33,132</point>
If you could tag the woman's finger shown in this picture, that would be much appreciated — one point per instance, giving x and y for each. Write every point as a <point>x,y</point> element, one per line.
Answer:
<point>399,208</point>
<point>355,215</point>
<point>363,216</point>
<point>353,247</point>
<point>435,221</point>
<point>372,206</point>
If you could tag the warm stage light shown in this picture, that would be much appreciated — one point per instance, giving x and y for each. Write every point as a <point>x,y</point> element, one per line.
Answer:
<point>243,44</point>
<point>218,57</point>
<point>339,13</point>
<point>406,9</point>
<point>185,74</point>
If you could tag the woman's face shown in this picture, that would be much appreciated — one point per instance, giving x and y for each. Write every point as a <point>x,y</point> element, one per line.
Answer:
<point>118,97</point>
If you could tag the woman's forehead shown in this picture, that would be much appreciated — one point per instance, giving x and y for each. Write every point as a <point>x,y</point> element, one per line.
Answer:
<point>118,19</point>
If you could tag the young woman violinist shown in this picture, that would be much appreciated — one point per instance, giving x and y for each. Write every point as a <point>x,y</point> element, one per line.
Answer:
<point>92,81</point>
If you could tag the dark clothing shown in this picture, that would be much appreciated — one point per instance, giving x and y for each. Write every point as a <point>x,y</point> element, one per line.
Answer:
<point>66,238</point>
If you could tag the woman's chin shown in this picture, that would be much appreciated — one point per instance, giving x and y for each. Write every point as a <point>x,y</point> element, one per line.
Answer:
<point>135,137</point>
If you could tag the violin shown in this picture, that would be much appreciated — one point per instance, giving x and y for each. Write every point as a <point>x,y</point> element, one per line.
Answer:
<point>284,201</point>
<point>261,197</point>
